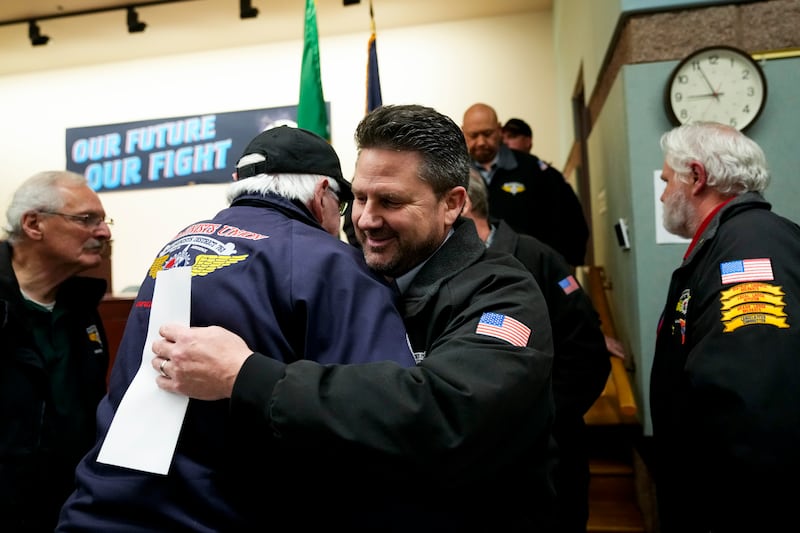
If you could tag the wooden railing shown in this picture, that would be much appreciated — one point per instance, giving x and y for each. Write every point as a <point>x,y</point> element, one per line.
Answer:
<point>616,404</point>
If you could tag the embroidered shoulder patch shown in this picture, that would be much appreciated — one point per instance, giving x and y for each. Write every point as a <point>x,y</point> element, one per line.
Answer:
<point>750,304</point>
<point>569,284</point>
<point>513,187</point>
<point>746,270</point>
<point>504,327</point>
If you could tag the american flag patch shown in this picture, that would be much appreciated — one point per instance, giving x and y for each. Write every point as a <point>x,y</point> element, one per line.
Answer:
<point>569,285</point>
<point>504,327</point>
<point>746,270</point>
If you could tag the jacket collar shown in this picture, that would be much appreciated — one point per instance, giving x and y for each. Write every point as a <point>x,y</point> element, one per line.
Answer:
<point>462,249</point>
<point>290,208</point>
<point>743,202</point>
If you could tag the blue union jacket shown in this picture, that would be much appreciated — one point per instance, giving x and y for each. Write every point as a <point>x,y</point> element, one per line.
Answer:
<point>266,270</point>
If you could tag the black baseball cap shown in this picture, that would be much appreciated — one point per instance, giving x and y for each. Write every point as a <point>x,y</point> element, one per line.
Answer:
<point>291,150</point>
<point>517,126</point>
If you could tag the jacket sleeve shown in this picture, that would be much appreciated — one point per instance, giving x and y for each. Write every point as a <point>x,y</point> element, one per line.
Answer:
<point>742,363</point>
<point>581,365</point>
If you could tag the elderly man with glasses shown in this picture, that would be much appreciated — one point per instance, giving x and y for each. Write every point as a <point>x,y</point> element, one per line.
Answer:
<point>53,350</point>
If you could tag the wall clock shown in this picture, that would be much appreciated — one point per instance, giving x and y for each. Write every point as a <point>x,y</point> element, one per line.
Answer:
<point>719,84</point>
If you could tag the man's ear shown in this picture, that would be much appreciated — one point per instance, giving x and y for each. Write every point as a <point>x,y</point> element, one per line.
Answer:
<point>454,201</point>
<point>315,204</point>
<point>467,207</point>
<point>30,225</point>
<point>699,176</point>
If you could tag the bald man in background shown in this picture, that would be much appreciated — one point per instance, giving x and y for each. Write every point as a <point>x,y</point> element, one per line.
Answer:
<point>530,195</point>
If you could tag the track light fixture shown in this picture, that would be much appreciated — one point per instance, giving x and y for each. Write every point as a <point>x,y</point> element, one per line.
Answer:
<point>246,9</point>
<point>37,39</point>
<point>134,24</point>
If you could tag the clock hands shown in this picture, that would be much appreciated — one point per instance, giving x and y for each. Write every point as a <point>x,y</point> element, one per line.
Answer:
<point>714,93</point>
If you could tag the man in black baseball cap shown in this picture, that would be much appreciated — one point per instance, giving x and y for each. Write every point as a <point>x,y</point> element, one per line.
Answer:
<point>517,135</point>
<point>288,150</point>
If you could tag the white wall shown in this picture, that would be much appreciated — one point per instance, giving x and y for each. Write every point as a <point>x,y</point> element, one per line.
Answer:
<point>507,62</point>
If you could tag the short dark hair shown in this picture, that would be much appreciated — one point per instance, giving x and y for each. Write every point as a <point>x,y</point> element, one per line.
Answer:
<point>416,128</point>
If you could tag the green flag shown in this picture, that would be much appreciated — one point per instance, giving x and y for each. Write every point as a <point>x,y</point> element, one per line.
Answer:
<point>311,112</point>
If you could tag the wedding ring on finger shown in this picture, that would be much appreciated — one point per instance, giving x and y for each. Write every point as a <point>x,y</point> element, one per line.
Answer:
<point>161,368</point>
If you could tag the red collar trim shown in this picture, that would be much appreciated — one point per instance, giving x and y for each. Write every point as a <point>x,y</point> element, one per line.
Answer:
<point>704,225</point>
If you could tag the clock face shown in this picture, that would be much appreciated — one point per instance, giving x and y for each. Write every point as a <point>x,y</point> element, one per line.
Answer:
<point>719,84</point>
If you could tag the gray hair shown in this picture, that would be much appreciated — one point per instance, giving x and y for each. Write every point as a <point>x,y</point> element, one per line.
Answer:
<point>40,192</point>
<point>414,128</point>
<point>298,187</point>
<point>478,195</point>
<point>735,164</point>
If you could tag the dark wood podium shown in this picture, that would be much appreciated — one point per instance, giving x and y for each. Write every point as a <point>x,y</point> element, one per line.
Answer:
<point>114,313</point>
<point>113,310</point>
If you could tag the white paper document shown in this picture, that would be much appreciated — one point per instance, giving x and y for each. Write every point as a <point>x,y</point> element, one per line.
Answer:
<point>144,431</point>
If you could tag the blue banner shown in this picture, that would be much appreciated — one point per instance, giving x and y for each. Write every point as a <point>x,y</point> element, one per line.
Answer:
<point>168,152</point>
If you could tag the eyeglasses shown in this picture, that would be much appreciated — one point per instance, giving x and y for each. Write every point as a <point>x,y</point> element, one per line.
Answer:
<point>89,220</point>
<point>342,204</point>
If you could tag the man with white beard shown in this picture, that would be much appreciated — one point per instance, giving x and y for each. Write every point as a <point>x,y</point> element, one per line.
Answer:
<point>726,370</point>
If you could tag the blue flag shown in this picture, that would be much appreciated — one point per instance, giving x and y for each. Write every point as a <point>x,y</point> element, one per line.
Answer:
<point>374,98</point>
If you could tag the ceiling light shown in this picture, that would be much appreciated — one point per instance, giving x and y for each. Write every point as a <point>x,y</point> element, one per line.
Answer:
<point>246,9</point>
<point>134,24</point>
<point>37,39</point>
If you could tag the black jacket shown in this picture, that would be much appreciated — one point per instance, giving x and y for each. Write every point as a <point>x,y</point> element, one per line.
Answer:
<point>726,374</point>
<point>39,448</point>
<point>581,364</point>
<point>535,199</point>
<point>462,442</point>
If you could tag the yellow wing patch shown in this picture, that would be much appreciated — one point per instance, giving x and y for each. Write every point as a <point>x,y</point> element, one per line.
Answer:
<point>158,264</point>
<point>205,264</point>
